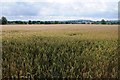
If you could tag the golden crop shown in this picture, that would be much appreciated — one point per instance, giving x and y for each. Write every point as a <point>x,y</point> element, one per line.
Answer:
<point>63,53</point>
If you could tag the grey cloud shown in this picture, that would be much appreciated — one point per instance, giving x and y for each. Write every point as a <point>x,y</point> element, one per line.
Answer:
<point>19,9</point>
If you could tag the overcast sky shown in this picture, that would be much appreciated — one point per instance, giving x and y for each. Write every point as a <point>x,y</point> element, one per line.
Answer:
<point>59,9</point>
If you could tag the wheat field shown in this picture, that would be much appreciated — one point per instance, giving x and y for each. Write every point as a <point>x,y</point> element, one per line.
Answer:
<point>60,51</point>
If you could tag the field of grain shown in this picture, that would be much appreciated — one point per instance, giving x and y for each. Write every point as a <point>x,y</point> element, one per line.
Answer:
<point>65,51</point>
<point>60,27</point>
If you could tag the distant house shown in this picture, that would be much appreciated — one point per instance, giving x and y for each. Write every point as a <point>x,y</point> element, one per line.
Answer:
<point>88,22</point>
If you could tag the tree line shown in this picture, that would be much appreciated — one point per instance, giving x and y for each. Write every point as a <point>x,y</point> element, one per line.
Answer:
<point>4,21</point>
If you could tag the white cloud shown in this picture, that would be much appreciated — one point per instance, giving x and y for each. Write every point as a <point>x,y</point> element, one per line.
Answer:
<point>59,1</point>
<point>68,8</point>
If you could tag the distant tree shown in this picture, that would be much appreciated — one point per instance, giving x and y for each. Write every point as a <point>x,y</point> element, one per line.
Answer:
<point>67,22</point>
<point>47,22</point>
<point>29,22</point>
<point>17,22</point>
<point>34,22</point>
<point>118,22</point>
<point>37,22</point>
<point>56,22</point>
<point>25,22</point>
<point>0,21</point>
<point>4,20</point>
<point>41,22</point>
<point>103,21</point>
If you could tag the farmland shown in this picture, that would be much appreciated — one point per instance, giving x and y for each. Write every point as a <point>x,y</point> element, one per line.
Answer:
<point>66,51</point>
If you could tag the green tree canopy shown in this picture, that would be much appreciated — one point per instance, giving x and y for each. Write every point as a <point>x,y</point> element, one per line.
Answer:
<point>103,21</point>
<point>29,22</point>
<point>4,20</point>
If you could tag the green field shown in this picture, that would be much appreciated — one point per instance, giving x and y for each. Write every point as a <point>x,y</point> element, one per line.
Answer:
<point>60,53</point>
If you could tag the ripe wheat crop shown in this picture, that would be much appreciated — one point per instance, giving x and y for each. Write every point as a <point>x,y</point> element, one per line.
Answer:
<point>54,54</point>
